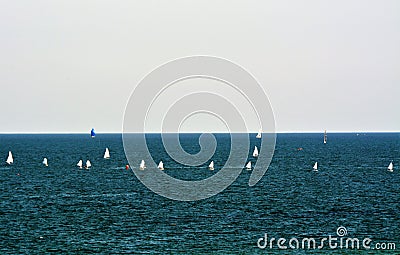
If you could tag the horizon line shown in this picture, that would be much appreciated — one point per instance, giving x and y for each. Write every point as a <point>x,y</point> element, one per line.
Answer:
<point>251,132</point>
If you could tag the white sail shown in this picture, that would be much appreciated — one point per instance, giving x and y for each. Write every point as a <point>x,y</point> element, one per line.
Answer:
<point>255,152</point>
<point>259,134</point>
<point>142,165</point>
<point>248,166</point>
<point>107,154</point>
<point>88,164</point>
<point>315,167</point>
<point>80,163</point>
<point>390,167</point>
<point>161,165</point>
<point>45,162</point>
<point>211,166</point>
<point>10,158</point>
<point>325,137</point>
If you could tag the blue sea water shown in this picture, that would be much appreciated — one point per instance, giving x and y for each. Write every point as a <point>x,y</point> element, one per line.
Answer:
<point>106,209</point>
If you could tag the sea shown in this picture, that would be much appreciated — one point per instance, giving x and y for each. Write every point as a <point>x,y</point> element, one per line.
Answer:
<point>62,209</point>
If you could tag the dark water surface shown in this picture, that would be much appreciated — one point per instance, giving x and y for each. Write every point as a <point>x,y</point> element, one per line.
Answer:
<point>106,209</point>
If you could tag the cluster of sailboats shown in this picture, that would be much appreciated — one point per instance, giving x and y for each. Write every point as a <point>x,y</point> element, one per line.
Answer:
<point>10,160</point>
<point>89,164</point>
<point>211,167</point>
<point>248,165</point>
<point>142,166</point>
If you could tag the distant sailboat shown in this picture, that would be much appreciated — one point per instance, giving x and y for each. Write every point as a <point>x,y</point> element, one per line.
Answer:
<point>107,154</point>
<point>255,152</point>
<point>161,165</point>
<point>92,133</point>
<point>80,164</point>
<point>259,134</point>
<point>315,167</point>
<point>211,165</point>
<point>142,165</point>
<point>325,137</point>
<point>390,167</point>
<point>10,158</point>
<point>45,162</point>
<point>88,164</point>
<point>248,166</point>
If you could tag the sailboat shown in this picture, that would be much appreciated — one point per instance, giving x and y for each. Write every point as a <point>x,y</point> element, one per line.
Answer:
<point>161,165</point>
<point>315,167</point>
<point>259,134</point>
<point>80,164</point>
<point>255,152</point>
<point>88,164</point>
<point>248,166</point>
<point>107,154</point>
<point>390,167</point>
<point>142,165</point>
<point>45,162</point>
<point>211,165</point>
<point>92,133</point>
<point>10,158</point>
<point>325,137</point>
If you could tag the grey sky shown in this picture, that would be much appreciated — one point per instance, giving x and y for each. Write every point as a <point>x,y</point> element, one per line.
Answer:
<point>68,66</point>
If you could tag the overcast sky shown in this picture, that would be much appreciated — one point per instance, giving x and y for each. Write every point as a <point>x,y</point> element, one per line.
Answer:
<point>68,66</point>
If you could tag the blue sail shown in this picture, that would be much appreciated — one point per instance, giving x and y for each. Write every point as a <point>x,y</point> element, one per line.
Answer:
<point>92,133</point>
